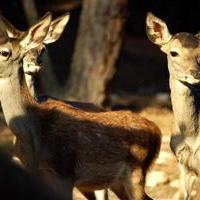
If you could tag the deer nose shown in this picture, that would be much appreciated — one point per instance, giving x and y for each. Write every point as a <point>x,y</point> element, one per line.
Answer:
<point>195,73</point>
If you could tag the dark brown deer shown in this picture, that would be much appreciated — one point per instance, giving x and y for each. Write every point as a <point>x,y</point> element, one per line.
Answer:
<point>85,149</point>
<point>183,55</point>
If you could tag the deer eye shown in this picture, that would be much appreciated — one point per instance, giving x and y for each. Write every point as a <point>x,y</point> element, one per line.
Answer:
<point>5,53</point>
<point>174,53</point>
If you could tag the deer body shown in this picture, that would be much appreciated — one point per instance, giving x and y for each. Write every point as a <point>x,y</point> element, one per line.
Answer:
<point>183,55</point>
<point>185,139</point>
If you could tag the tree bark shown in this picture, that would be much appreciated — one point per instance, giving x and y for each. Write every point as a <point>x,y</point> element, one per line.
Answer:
<point>97,49</point>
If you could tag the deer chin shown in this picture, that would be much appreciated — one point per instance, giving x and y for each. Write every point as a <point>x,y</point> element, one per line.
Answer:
<point>32,69</point>
<point>191,80</point>
<point>188,79</point>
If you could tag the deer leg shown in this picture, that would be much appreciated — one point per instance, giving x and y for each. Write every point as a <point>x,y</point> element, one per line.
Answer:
<point>138,184</point>
<point>183,153</point>
<point>66,188</point>
<point>132,186</point>
<point>88,195</point>
<point>120,191</point>
<point>101,194</point>
<point>187,180</point>
<point>96,195</point>
<point>61,186</point>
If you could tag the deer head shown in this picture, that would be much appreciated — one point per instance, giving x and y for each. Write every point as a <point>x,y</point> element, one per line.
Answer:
<point>31,61</point>
<point>182,49</point>
<point>13,50</point>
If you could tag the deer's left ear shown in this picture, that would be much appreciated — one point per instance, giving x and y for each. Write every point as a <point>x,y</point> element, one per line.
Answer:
<point>36,34</point>
<point>11,30</point>
<point>157,30</point>
<point>56,28</point>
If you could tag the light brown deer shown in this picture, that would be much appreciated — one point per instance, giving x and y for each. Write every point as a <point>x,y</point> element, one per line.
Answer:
<point>183,55</point>
<point>85,149</point>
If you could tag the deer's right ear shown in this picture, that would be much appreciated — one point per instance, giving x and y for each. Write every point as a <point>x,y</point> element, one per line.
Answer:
<point>36,34</point>
<point>157,30</point>
<point>56,28</point>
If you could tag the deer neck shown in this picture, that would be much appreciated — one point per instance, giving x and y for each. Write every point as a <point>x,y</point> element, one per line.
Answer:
<point>30,84</point>
<point>186,106</point>
<point>16,103</point>
<point>18,109</point>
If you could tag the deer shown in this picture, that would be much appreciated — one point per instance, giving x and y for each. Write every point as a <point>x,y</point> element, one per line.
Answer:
<point>87,150</point>
<point>31,67</point>
<point>183,56</point>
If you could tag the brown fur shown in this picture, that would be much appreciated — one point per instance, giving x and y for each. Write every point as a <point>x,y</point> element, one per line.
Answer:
<point>95,150</point>
<point>85,106</point>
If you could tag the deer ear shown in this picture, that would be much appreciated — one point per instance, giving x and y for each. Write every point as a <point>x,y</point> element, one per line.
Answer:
<point>157,30</point>
<point>3,32</point>
<point>36,34</point>
<point>11,30</point>
<point>56,28</point>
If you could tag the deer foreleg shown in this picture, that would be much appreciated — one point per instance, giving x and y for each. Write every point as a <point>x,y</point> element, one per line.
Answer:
<point>187,180</point>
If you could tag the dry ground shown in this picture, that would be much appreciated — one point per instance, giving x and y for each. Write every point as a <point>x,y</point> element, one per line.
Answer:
<point>162,182</point>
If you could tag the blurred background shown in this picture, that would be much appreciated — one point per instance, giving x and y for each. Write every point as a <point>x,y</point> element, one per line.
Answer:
<point>105,57</point>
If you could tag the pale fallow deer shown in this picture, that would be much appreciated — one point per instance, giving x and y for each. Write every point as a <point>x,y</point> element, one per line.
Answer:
<point>183,55</point>
<point>89,150</point>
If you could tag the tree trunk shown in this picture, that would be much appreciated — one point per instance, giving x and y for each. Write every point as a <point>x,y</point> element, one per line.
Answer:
<point>97,49</point>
